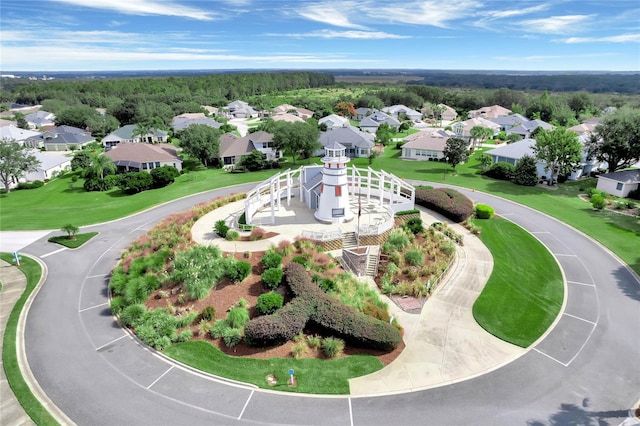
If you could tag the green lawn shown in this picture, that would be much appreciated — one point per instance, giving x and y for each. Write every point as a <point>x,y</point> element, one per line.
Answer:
<point>61,202</point>
<point>521,299</point>
<point>313,375</point>
<point>31,405</point>
<point>76,242</point>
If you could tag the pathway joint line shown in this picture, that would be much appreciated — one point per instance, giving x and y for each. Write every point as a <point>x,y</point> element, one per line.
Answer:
<point>93,307</point>
<point>98,276</point>
<point>565,255</point>
<point>246,404</point>
<point>579,283</point>
<point>550,357</point>
<point>581,319</point>
<point>161,376</point>
<point>113,341</point>
<point>350,411</point>
<point>53,252</point>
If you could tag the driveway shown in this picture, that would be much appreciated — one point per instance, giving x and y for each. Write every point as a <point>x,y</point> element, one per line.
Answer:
<point>585,371</point>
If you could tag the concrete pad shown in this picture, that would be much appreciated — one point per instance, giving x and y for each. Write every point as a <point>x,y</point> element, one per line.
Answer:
<point>11,241</point>
<point>297,410</point>
<point>582,302</point>
<point>566,339</point>
<point>574,269</point>
<point>142,370</point>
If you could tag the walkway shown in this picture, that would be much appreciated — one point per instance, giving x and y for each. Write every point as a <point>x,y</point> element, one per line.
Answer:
<point>443,344</point>
<point>13,285</point>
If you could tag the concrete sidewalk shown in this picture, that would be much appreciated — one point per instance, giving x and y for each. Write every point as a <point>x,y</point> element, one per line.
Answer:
<point>13,285</point>
<point>443,344</point>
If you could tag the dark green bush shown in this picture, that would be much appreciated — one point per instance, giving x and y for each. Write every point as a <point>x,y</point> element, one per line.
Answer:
<point>327,285</point>
<point>304,261</point>
<point>237,317</point>
<point>232,235</point>
<point>276,329</point>
<point>501,170</point>
<point>97,184</point>
<point>634,194</point>
<point>132,314</point>
<point>231,337</point>
<point>163,176</point>
<point>271,259</point>
<point>414,225</point>
<point>598,201</point>
<point>135,182</point>
<point>30,185</point>
<point>271,278</point>
<point>484,211</point>
<point>407,212</point>
<point>526,171</point>
<point>448,202</point>
<point>237,271</point>
<point>268,303</point>
<point>221,228</point>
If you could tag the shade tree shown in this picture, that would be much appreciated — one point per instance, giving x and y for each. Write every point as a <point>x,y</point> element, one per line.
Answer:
<point>560,150</point>
<point>15,161</point>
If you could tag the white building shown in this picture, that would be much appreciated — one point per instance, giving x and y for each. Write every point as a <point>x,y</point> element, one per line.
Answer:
<point>333,205</point>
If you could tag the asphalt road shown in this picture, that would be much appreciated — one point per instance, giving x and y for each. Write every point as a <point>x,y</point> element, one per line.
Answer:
<point>586,371</point>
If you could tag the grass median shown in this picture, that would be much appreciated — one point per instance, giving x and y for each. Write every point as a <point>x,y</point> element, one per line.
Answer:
<point>525,291</point>
<point>29,402</point>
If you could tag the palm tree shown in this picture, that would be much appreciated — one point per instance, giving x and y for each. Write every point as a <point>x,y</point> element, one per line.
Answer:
<point>142,129</point>
<point>100,165</point>
<point>476,133</point>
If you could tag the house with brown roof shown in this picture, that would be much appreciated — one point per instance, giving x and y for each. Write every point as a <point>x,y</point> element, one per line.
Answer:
<point>492,111</point>
<point>426,146</point>
<point>233,148</point>
<point>462,129</point>
<point>303,113</point>
<point>136,157</point>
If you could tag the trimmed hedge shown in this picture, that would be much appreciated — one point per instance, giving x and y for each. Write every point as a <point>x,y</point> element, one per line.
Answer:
<point>501,170</point>
<point>448,202</point>
<point>325,312</point>
<point>484,211</point>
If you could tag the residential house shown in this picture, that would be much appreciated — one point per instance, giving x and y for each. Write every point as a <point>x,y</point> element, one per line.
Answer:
<point>425,146</point>
<point>232,148</point>
<point>128,134</point>
<point>371,122</point>
<point>507,122</point>
<point>333,120</point>
<point>493,111</point>
<point>526,129</point>
<point>584,128</point>
<point>447,113</point>
<point>462,129</point>
<point>182,121</point>
<point>513,152</point>
<point>40,120</point>
<point>397,111</point>
<point>358,144</point>
<point>11,133</point>
<point>130,156</point>
<point>619,183</point>
<point>362,112</point>
<point>288,117</point>
<point>61,138</point>
<point>241,109</point>
<point>51,164</point>
<point>303,113</point>
<point>588,162</point>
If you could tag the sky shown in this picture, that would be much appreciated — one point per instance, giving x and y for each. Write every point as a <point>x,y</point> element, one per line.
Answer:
<point>522,35</point>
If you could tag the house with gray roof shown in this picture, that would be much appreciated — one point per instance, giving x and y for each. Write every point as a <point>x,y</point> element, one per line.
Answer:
<point>61,138</point>
<point>371,122</point>
<point>362,112</point>
<point>182,121</point>
<point>619,183</point>
<point>51,164</point>
<point>127,134</point>
<point>507,122</point>
<point>130,156</point>
<point>333,120</point>
<point>397,111</point>
<point>40,119</point>
<point>241,109</point>
<point>357,144</point>
<point>12,133</point>
<point>513,152</point>
<point>527,128</point>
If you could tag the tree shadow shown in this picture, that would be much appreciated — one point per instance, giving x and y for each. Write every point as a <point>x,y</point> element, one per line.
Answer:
<point>574,415</point>
<point>627,282</point>
<point>73,190</point>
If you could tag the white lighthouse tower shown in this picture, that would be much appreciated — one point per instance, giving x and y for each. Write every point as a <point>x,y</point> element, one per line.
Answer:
<point>333,206</point>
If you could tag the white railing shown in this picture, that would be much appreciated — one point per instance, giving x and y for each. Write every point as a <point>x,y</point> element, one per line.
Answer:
<point>322,235</point>
<point>379,228</point>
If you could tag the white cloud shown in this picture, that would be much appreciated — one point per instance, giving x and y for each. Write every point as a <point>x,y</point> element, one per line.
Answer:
<point>556,24</point>
<point>622,38</point>
<point>501,14</point>
<point>426,12</point>
<point>145,7</point>
<point>333,13</point>
<point>351,34</point>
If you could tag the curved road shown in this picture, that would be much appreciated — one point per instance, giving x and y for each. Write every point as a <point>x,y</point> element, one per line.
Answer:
<point>585,371</point>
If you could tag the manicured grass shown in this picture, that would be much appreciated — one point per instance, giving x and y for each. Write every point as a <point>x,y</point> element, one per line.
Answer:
<point>76,242</point>
<point>31,405</point>
<point>313,375</point>
<point>525,291</point>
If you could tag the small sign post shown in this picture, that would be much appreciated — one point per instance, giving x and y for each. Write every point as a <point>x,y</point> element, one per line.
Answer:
<point>16,257</point>
<point>291,379</point>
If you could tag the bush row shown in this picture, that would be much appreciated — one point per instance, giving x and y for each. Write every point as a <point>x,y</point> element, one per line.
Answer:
<point>448,202</point>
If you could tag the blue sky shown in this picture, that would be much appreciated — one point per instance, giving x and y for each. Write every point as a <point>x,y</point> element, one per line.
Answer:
<point>554,35</point>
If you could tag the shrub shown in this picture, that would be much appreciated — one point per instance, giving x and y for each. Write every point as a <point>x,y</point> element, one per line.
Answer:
<point>97,184</point>
<point>314,341</point>
<point>526,171</point>
<point>398,239</point>
<point>232,235</point>
<point>299,349</point>
<point>598,201</point>
<point>163,176</point>
<point>30,185</point>
<point>268,303</point>
<point>407,212</point>
<point>414,257</point>
<point>304,261</point>
<point>414,225</point>
<point>327,285</point>
<point>237,317</point>
<point>634,194</point>
<point>237,271</point>
<point>221,228</point>
<point>484,211</point>
<point>271,278</point>
<point>276,329</point>
<point>257,234</point>
<point>501,170</point>
<point>332,347</point>
<point>184,336</point>
<point>117,304</point>
<point>271,259</point>
<point>207,314</point>
<point>134,182</point>
<point>218,328</point>
<point>231,337</point>
<point>445,201</point>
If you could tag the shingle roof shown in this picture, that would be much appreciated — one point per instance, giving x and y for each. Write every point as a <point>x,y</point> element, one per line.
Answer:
<point>336,119</point>
<point>183,121</point>
<point>48,160</point>
<point>142,152</point>
<point>16,133</point>
<point>515,150</point>
<point>126,132</point>
<point>234,147</point>
<point>377,118</point>
<point>431,141</point>
<point>348,136</point>
<point>624,176</point>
